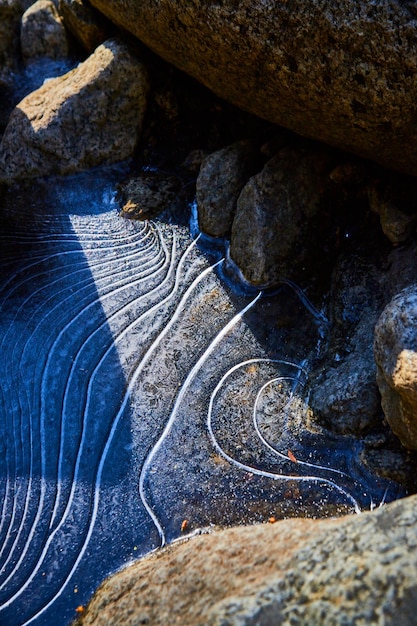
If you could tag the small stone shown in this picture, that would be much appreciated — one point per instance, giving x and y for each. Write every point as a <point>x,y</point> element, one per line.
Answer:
<point>42,32</point>
<point>278,229</point>
<point>147,195</point>
<point>396,357</point>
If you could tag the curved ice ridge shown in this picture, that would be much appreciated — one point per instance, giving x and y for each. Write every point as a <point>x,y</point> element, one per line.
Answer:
<point>110,330</point>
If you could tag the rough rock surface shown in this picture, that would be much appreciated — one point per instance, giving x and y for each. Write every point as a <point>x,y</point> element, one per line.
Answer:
<point>148,195</point>
<point>343,73</point>
<point>394,199</point>
<point>222,176</point>
<point>279,224</point>
<point>396,358</point>
<point>42,32</point>
<point>344,395</point>
<point>356,570</point>
<point>89,116</point>
<point>86,24</point>
<point>10,16</point>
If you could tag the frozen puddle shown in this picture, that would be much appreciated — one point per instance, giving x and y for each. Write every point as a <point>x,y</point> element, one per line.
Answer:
<point>140,390</point>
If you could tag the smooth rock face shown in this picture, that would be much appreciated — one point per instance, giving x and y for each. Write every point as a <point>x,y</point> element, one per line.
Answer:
<point>42,32</point>
<point>343,73</point>
<point>396,358</point>
<point>89,116</point>
<point>358,570</point>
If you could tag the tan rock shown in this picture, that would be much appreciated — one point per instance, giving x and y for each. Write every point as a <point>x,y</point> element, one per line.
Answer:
<point>89,116</point>
<point>396,358</point>
<point>340,72</point>
<point>222,176</point>
<point>356,570</point>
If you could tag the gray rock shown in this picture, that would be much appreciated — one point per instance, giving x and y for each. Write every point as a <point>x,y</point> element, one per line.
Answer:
<point>277,230</point>
<point>344,394</point>
<point>89,116</point>
<point>42,32</point>
<point>149,194</point>
<point>356,570</point>
<point>394,199</point>
<point>396,358</point>
<point>220,181</point>
<point>86,24</point>
<point>342,73</point>
<point>11,12</point>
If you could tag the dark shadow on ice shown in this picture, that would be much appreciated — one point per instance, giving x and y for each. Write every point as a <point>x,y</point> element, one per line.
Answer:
<point>69,515</point>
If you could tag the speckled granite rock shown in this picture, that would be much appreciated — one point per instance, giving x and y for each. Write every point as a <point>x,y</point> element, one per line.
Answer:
<point>89,116</point>
<point>279,226</point>
<point>222,176</point>
<point>344,394</point>
<point>396,358</point>
<point>355,570</point>
<point>42,32</point>
<point>10,15</point>
<point>341,72</point>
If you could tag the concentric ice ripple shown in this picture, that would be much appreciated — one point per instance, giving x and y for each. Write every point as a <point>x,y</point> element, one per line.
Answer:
<point>140,389</point>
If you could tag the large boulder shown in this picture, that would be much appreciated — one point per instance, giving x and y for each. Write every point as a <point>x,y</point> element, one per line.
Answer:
<point>396,358</point>
<point>358,570</point>
<point>89,116</point>
<point>341,72</point>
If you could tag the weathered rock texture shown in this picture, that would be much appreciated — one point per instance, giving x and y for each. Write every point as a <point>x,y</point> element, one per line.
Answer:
<point>86,24</point>
<point>148,195</point>
<point>394,199</point>
<point>222,176</point>
<point>357,570</point>
<point>10,16</point>
<point>344,395</point>
<point>341,72</point>
<point>89,116</point>
<point>396,358</point>
<point>279,226</point>
<point>42,32</point>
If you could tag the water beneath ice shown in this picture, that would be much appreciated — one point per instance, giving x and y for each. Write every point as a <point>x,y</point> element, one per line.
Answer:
<point>141,387</point>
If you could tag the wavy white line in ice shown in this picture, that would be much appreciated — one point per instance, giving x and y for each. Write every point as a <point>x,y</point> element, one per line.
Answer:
<point>116,421</point>
<point>142,276</point>
<point>184,388</point>
<point>255,470</point>
<point>73,367</point>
